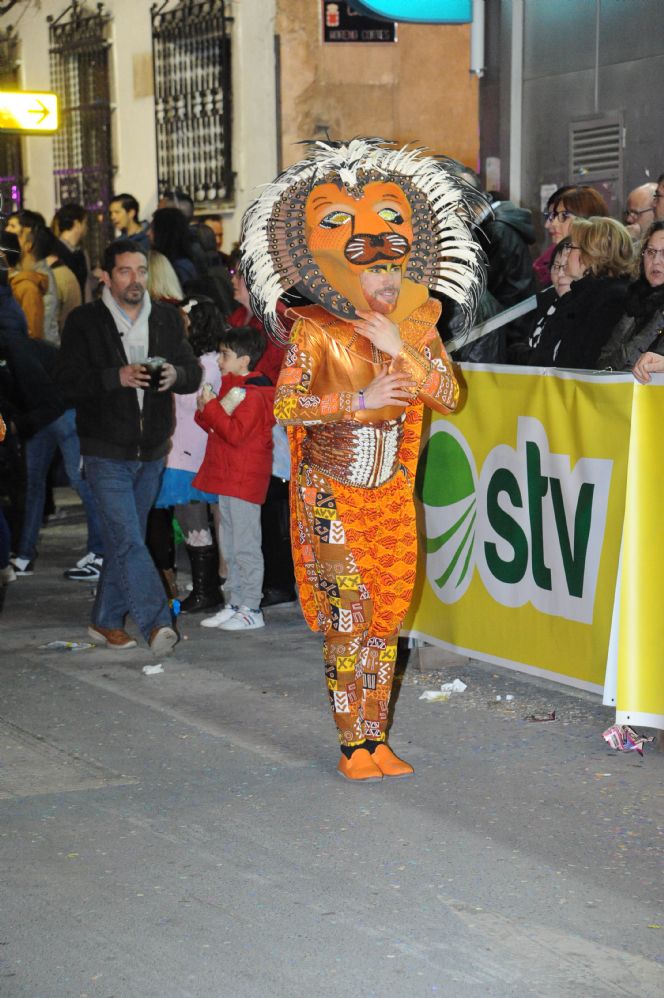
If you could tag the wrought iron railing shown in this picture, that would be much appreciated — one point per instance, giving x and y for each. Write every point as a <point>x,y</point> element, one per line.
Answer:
<point>192,84</point>
<point>82,149</point>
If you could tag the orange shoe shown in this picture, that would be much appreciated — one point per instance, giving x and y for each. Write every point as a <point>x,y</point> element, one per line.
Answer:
<point>360,766</point>
<point>112,637</point>
<point>390,764</point>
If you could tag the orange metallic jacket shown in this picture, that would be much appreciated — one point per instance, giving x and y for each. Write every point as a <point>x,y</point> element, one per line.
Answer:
<point>327,362</point>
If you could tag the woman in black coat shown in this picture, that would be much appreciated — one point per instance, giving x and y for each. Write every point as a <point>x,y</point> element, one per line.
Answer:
<point>599,261</point>
<point>641,327</point>
<point>548,300</point>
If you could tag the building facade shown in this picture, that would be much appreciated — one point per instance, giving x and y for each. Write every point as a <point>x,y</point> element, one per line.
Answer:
<point>571,94</point>
<point>213,97</point>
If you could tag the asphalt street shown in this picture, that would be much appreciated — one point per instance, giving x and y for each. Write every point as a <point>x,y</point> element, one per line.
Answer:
<point>185,834</point>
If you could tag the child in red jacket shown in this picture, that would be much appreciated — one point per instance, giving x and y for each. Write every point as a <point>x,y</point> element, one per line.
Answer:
<point>237,466</point>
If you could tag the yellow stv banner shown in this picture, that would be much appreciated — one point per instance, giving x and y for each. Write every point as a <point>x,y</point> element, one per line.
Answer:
<point>522,502</point>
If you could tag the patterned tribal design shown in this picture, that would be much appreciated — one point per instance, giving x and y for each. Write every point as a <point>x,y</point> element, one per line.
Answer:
<point>358,601</point>
<point>355,549</point>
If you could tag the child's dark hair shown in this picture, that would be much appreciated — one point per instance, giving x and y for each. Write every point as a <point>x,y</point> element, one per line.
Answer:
<point>244,341</point>
<point>206,325</point>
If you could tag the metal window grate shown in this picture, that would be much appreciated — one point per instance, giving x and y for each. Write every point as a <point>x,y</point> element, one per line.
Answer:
<point>12,181</point>
<point>192,83</point>
<point>82,151</point>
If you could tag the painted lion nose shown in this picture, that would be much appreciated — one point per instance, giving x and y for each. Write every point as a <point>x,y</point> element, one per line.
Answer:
<point>367,247</point>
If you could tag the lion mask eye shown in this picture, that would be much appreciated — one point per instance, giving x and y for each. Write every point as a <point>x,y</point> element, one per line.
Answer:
<point>391,215</point>
<point>335,219</point>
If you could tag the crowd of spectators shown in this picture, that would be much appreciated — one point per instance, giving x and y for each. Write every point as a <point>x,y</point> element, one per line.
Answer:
<point>221,483</point>
<point>591,299</point>
<point>76,339</point>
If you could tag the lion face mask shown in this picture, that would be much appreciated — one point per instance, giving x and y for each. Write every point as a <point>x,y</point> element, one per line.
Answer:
<point>349,237</point>
<point>361,226</point>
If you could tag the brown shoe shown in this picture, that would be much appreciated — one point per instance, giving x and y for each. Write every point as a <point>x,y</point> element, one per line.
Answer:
<point>162,640</point>
<point>360,766</point>
<point>112,637</point>
<point>390,764</point>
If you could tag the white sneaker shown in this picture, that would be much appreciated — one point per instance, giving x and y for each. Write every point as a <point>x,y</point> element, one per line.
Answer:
<point>7,574</point>
<point>22,566</point>
<point>163,640</point>
<point>244,619</point>
<point>87,569</point>
<point>220,617</point>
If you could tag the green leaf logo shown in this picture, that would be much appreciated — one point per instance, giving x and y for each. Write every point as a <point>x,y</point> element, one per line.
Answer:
<point>446,485</point>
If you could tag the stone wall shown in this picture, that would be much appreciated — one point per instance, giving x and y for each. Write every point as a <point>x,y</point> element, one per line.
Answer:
<point>416,90</point>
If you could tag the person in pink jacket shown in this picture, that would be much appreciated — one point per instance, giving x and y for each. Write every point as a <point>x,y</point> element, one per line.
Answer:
<point>177,494</point>
<point>237,466</point>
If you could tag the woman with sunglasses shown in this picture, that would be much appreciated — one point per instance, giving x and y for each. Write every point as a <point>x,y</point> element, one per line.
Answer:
<point>598,259</point>
<point>564,205</point>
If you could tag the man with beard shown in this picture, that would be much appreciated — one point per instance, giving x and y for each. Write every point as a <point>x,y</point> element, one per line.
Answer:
<point>125,422</point>
<point>381,285</point>
<point>361,231</point>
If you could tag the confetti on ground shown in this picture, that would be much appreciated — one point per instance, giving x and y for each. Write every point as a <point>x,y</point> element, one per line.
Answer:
<point>624,739</point>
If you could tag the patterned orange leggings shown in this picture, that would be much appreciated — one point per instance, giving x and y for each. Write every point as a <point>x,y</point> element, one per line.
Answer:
<point>356,569</point>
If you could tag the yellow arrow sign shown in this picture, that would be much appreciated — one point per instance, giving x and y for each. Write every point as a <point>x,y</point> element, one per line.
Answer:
<point>28,111</point>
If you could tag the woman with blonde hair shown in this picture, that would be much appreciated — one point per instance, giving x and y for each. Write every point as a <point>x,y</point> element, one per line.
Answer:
<point>163,283</point>
<point>564,205</point>
<point>599,260</point>
<point>605,248</point>
<point>163,286</point>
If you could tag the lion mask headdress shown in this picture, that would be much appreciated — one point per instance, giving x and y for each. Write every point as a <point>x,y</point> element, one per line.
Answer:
<point>348,207</point>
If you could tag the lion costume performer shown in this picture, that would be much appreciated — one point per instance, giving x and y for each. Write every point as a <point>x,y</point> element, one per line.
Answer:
<point>361,230</point>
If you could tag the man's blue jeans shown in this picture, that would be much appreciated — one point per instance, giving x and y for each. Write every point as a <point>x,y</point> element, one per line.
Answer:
<point>39,450</point>
<point>129,583</point>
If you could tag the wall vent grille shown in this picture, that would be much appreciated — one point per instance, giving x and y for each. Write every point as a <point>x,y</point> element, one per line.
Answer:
<point>596,149</point>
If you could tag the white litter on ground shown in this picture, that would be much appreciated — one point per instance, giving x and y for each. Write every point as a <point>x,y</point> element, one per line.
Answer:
<point>445,691</point>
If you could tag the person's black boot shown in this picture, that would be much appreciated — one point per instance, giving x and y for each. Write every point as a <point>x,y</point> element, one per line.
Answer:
<point>206,594</point>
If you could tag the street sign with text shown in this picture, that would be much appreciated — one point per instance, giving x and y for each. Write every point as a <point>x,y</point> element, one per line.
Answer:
<point>342,23</point>
<point>29,112</point>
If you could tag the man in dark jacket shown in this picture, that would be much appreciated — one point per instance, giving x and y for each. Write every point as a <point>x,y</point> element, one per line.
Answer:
<point>42,423</point>
<point>71,222</point>
<point>125,427</point>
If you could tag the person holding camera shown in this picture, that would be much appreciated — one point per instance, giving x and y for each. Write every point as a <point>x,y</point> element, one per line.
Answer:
<point>120,360</point>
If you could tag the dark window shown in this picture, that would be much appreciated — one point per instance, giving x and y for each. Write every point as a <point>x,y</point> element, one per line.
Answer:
<point>11,167</point>
<point>82,152</point>
<point>192,86</point>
